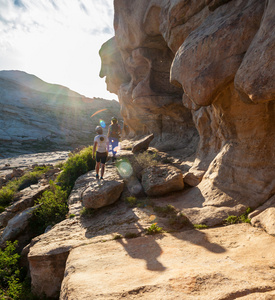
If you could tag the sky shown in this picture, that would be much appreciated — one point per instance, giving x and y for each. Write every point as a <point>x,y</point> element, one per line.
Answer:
<point>58,41</point>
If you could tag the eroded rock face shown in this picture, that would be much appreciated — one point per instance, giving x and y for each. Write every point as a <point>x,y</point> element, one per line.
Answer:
<point>149,102</point>
<point>219,54</point>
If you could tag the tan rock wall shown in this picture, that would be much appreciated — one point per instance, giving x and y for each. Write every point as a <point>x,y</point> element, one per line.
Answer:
<point>219,55</point>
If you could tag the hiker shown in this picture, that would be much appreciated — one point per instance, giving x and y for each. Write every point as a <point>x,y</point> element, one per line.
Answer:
<point>101,147</point>
<point>114,136</point>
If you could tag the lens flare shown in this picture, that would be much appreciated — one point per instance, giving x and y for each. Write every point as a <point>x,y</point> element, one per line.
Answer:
<point>102,123</point>
<point>134,186</point>
<point>124,168</point>
<point>152,218</point>
<point>97,112</point>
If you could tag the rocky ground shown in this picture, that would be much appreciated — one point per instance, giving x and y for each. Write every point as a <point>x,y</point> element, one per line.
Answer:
<point>107,253</point>
<point>27,160</point>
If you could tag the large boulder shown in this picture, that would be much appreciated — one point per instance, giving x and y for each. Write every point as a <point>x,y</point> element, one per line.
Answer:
<point>16,225</point>
<point>254,79</point>
<point>264,217</point>
<point>142,144</point>
<point>193,177</point>
<point>99,193</point>
<point>161,179</point>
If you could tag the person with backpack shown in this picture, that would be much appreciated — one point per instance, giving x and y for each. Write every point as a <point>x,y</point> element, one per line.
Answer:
<point>114,136</point>
<point>101,147</point>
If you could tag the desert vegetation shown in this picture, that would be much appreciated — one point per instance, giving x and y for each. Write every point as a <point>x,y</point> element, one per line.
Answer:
<point>51,208</point>
<point>8,192</point>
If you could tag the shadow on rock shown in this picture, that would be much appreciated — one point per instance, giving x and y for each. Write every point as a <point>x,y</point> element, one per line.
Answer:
<point>144,248</point>
<point>199,238</point>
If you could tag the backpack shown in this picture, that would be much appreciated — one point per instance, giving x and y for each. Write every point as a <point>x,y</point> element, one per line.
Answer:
<point>114,131</point>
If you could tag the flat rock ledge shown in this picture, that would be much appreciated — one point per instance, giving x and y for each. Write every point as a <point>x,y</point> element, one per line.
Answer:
<point>210,264</point>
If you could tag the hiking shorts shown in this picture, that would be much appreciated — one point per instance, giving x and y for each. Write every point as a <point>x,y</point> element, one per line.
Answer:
<point>101,157</point>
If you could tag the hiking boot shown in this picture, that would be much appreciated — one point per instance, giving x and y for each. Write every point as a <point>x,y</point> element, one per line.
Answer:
<point>101,177</point>
<point>96,176</point>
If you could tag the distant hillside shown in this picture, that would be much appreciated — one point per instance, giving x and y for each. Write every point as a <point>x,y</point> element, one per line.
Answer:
<point>36,83</point>
<point>36,116</point>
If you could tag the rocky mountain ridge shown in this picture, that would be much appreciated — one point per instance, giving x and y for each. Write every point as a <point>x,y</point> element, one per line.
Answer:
<point>35,83</point>
<point>38,117</point>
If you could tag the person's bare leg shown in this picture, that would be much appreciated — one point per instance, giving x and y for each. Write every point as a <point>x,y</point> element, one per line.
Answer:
<point>102,169</point>
<point>97,167</point>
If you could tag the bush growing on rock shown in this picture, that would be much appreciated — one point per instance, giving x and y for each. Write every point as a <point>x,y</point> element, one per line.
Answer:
<point>53,203</point>
<point>7,192</point>
<point>12,285</point>
<point>52,209</point>
<point>6,196</point>
<point>238,219</point>
<point>76,166</point>
<point>154,229</point>
<point>9,272</point>
<point>146,159</point>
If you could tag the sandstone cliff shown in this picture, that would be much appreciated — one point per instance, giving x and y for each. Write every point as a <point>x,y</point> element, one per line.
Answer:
<point>201,68</point>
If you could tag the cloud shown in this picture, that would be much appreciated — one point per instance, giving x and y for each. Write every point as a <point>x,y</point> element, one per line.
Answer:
<point>83,14</point>
<point>18,3</point>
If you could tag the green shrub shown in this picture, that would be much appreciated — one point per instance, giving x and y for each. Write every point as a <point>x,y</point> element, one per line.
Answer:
<point>131,201</point>
<point>76,166</point>
<point>42,169</point>
<point>146,159</point>
<point>131,235</point>
<point>28,179</point>
<point>165,211</point>
<point>153,229</point>
<point>87,212</point>
<point>53,208</point>
<point>9,271</point>
<point>200,226</point>
<point>238,219</point>
<point>117,237</point>
<point>231,220</point>
<point>6,196</point>
<point>8,191</point>
<point>13,286</point>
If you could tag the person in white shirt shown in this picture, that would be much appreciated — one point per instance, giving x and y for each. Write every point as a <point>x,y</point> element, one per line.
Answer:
<point>101,146</point>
